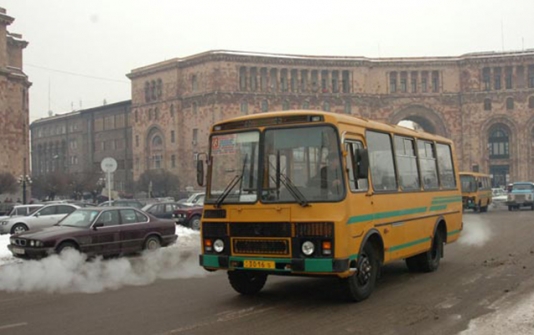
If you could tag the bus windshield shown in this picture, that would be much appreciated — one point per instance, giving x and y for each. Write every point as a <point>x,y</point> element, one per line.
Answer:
<point>299,165</point>
<point>469,184</point>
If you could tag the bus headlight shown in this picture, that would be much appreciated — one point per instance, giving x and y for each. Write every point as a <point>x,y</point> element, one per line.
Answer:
<point>308,248</point>
<point>218,246</point>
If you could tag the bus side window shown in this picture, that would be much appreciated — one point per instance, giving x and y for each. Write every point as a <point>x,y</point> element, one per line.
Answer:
<point>359,184</point>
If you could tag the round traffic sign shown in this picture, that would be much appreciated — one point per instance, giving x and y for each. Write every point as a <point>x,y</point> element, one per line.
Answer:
<point>108,164</point>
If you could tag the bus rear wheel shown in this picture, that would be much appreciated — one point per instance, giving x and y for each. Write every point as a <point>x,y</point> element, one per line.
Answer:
<point>427,261</point>
<point>361,283</point>
<point>247,282</point>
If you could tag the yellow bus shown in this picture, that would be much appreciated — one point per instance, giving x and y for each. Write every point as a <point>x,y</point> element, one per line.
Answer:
<point>272,207</point>
<point>476,191</point>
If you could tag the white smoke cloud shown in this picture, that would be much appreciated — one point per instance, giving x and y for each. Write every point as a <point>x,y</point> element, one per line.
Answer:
<point>72,272</point>
<point>476,232</point>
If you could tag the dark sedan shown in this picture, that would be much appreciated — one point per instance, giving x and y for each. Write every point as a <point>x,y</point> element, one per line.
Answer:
<point>106,231</point>
<point>162,210</point>
<point>189,216</point>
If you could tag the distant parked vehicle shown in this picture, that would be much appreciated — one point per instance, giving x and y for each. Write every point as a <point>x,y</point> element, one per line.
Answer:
<point>162,210</point>
<point>106,231</point>
<point>122,203</point>
<point>521,195</point>
<point>46,216</point>
<point>499,197</point>
<point>194,199</point>
<point>189,216</point>
<point>21,210</point>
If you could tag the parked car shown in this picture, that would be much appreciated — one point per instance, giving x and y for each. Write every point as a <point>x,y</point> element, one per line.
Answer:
<point>122,203</point>
<point>521,195</point>
<point>189,216</point>
<point>196,199</point>
<point>46,216</point>
<point>21,210</point>
<point>106,231</point>
<point>499,197</point>
<point>162,210</point>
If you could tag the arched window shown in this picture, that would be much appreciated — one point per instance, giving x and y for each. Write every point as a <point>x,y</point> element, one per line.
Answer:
<point>326,106</point>
<point>156,141</point>
<point>498,143</point>
<point>244,108</point>
<point>172,110</point>
<point>487,104</point>
<point>509,103</point>
<point>285,105</point>
<point>160,88</point>
<point>243,78</point>
<point>147,91</point>
<point>264,106</point>
<point>135,115</point>
<point>153,90</point>
<point>531,102</point>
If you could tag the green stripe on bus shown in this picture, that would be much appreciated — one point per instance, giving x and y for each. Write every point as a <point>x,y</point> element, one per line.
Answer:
<point>409,244</point>
<point>457,231</point>
<point>385,215</point>
<point>438,208</point>
<point>446,200</point>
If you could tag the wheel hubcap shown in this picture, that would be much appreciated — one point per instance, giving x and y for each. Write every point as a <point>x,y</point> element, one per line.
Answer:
<point>152,245</point>
<point>19,229</point>
<point>364,271</point>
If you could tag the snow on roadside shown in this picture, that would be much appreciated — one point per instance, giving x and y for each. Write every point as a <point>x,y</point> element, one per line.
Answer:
<point>71,272</point>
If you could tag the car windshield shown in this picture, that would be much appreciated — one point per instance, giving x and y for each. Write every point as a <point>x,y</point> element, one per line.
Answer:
<point>80,218</point>
<point>522,187</point>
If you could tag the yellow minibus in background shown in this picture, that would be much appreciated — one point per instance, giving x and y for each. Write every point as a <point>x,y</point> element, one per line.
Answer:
<point>476,191</point>
<point>310,193</point>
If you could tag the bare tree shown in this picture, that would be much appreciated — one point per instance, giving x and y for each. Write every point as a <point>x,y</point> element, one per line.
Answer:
<point>164,183</point>
<point>50,185</point>
<point>8,183</point>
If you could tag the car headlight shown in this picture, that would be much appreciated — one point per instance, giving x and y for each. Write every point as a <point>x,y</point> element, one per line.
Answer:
<point>218,245</point>
<point>308,248</point>
<point>39,244</point>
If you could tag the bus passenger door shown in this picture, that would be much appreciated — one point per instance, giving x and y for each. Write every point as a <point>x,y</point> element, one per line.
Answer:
<point>360,204</point>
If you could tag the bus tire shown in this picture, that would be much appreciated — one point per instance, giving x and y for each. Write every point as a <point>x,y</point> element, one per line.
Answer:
<point>247,282</point>
<point>361,283</point>
<point>427,261</point>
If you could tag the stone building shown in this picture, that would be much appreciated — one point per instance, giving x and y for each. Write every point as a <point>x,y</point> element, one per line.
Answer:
<point>483,101</point>
<point>75,143</point>
<point>14,109</point>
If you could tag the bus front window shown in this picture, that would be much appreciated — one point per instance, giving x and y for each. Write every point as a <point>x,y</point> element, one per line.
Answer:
<point>302,165</point>
<point>234,159</point>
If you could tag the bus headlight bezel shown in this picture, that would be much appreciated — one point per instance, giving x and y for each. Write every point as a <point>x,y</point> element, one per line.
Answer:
<point>218,245</point>
<point>307,248</point>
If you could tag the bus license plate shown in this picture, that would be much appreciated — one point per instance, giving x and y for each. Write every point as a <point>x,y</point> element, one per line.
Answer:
<point>259,264</point>
<point>18,251</point>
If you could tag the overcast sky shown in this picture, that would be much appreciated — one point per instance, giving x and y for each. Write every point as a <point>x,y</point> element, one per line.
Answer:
<point>80,51</point>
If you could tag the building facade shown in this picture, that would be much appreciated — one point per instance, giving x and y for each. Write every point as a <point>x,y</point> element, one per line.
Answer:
<point>14,109</point>
<point>75,143</point>
<point>484,102</point>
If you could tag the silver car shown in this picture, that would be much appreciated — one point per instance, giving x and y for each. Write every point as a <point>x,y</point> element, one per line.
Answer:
<point>21,210</point>
<point>46,216</point>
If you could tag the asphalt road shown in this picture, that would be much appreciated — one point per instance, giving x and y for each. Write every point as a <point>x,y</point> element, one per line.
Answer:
<point>492,271</point>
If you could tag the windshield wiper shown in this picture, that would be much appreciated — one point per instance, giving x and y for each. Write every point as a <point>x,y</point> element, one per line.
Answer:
<point>231,185</point>
<point>289,185</point>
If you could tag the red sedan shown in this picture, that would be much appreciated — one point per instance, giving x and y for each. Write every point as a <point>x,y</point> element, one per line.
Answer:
<point>189,216</point>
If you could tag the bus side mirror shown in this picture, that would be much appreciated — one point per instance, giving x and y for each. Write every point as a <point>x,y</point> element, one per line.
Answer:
<point>362,163</point>
<point>200,172</point>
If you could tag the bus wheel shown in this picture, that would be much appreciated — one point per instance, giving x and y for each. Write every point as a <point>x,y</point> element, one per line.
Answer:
<point>361,284</point>
<point>484,209</point>
<point>427,261</point>
<point>247,282</point>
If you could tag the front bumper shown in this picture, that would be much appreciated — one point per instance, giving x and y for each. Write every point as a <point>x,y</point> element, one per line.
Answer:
<point>30,253</point>
<point>282,265</point>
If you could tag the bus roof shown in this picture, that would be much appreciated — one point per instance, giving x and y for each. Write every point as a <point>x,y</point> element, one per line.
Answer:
<point>299,116</point>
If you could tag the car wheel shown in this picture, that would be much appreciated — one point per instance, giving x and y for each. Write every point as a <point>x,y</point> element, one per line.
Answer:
<point>18,228</point>
<point>247,282</point>
<point>194,223</point>
<point>152,243</point>
<point>361,283</point>
<point>66,246</point>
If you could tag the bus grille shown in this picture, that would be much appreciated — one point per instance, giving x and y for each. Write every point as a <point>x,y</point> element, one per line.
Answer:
<point>260,229</point>
<point>261,247</point>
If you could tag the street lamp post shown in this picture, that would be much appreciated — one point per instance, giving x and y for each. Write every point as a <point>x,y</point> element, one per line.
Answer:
<point>24,180</point>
